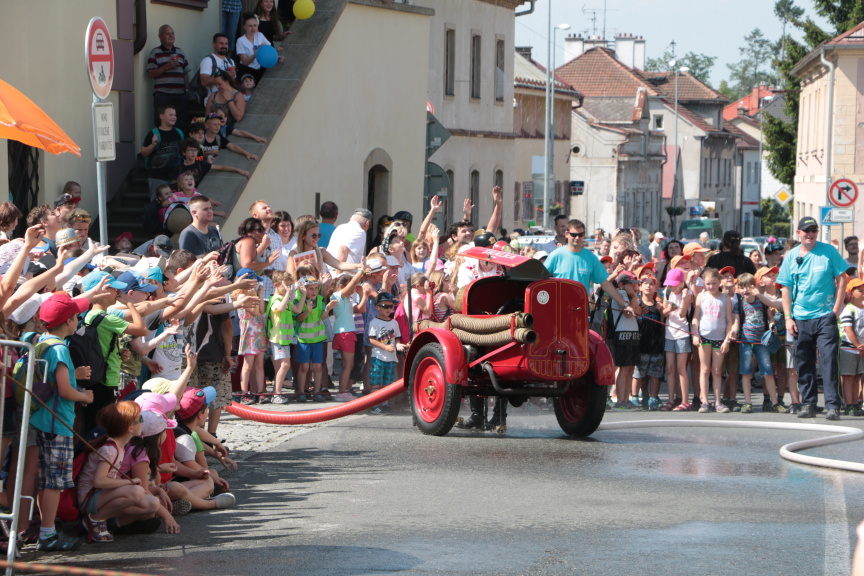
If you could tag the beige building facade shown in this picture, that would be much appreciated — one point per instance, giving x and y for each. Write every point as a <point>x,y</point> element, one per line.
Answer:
<point>819,162</point>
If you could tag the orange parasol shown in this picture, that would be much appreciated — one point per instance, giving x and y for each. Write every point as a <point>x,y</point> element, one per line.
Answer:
<point>24,121</point>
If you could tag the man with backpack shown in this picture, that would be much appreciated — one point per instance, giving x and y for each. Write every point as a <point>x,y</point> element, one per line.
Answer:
<point>161,150</point>
<point>54,437</point>
<point>218,60</point>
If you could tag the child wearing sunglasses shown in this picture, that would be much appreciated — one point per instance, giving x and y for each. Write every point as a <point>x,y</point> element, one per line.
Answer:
<point>385,337</point>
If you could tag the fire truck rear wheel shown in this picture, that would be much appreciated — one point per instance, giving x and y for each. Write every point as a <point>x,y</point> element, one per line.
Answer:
<point>580,413</point>
<point>434,401</point>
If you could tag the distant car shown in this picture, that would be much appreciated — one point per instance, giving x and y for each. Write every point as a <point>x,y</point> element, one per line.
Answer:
<point>748,247</point>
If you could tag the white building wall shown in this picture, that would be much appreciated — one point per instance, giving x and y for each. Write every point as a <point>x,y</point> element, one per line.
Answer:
<point>597,167</point>
<point>319,150</point>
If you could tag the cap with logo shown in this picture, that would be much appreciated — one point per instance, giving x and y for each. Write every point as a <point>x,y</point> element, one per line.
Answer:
<point>807,222</point>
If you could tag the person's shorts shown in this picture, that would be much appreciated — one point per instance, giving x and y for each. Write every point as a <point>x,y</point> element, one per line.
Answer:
<point>650,366</point>
<point>679,346</point>
<point>625,349</point>
<point>280,352</point>
<point>779,357</point>
<point>746,351</point>
<point>55,460</point>
<point>715,344</point>
<point>211,374</point>
<point>851,363</point>
<point>307,353</point>
<point>10,418</point>
<point>382,373</point>
<point>345,341</point>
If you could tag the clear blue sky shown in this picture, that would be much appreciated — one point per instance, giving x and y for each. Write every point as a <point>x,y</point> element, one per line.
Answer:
<point>710,27</point>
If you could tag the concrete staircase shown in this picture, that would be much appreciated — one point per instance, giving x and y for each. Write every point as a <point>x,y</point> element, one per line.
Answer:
<point>270,103</point>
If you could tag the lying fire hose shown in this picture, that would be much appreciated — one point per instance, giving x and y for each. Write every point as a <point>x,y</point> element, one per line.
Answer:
<point>322,415</point>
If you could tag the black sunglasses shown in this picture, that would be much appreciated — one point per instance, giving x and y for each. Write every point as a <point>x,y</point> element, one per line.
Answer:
<point>385,306</point>
<point>576,234</point>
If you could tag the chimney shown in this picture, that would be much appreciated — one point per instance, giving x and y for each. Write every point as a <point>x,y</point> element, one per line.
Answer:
<point>630,50</point>
<point>576,45</point>
<point>524,51</point>
<point>742,111</point>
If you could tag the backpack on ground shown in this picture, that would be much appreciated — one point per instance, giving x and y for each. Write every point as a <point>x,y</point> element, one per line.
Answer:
<point>42,388</point>
<point>85,349</point>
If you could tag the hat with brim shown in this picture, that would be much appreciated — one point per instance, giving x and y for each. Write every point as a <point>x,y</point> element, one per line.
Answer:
<point>807,222</point>
<point>674,277</point>
<point>678,259</point>
<point>60,307</point>
<point>726,270</point>
<point>93,279</point>
<point>765,270</point>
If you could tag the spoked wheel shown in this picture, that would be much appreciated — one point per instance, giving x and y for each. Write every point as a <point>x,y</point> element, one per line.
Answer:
<point>580,412</point>
<point>434,402</point>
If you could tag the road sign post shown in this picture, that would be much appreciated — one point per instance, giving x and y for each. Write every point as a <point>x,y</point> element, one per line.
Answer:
<point>99,55</point>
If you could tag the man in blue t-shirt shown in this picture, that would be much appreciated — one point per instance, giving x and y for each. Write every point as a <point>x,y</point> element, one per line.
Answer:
<point>814,285</point>
<point>574,263</point>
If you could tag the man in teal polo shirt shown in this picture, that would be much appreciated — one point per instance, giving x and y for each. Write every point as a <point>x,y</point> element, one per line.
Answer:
<point>814,285</point>
<point>583,266</point>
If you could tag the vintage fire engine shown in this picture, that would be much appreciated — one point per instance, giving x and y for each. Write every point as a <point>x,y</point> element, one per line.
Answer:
<point>521,334</point>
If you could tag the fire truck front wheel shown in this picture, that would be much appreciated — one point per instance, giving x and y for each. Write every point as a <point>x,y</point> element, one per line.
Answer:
<point>434,401</point>
<point>580,412</point>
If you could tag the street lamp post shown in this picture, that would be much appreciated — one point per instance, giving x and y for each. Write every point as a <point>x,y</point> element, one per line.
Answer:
<point>684,69</point>
<point>549,138</point>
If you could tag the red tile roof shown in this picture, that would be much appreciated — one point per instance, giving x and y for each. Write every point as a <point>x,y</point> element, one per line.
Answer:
<point>598,73</point>
<point>689,87</point>
<point>750,103</point>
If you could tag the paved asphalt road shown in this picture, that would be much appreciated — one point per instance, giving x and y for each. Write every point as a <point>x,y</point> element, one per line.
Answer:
<point>372,495</point>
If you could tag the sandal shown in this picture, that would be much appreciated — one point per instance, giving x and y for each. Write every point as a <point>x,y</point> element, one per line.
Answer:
<point>668,407</point>
<point>97,530</point>
<point>683,407</point>
<point>30,535</point>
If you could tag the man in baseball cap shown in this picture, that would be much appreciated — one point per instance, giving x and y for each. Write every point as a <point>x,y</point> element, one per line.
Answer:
<point>813,279</point>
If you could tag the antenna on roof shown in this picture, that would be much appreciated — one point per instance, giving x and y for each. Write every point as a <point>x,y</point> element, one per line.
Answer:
<point>593,19</point>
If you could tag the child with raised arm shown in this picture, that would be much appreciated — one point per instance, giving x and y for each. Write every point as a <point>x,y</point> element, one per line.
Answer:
<point>253,340</point>
<point>310,333</point>
<point>345,338</point>
<point>385,338</point>
<point>852,347</point>
<point>752,324</point>
<point>713,324</point>
<point>53,437</point>
<point>280,329</point>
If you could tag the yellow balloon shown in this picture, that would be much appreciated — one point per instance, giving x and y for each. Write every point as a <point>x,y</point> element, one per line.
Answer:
<point>304,9</point>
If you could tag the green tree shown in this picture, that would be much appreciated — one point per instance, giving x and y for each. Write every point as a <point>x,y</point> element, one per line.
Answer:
<point>752,69</point>
<point>780,138</point>
<point>775,218</point>
<point>700,65</point>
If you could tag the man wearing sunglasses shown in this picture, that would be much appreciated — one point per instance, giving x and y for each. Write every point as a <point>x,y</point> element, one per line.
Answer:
<point>813,280</point>
<point>573,262</point>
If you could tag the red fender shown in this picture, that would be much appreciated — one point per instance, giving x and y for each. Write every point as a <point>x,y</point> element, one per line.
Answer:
<point>454,353</point>
<point>322,415</point>
<point>601,360</point>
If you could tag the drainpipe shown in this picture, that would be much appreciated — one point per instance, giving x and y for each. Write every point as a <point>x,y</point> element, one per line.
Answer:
<point>528,11</point>
<point>826,231</point>
<point>140,26</point>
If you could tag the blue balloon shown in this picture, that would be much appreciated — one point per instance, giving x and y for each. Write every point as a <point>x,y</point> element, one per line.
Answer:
<point>267,56</point>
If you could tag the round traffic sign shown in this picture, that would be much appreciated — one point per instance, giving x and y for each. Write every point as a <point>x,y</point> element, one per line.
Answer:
<point>843,193</point>
<point>99,53</point>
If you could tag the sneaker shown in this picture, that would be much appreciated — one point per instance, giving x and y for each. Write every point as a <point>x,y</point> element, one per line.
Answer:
<point>318,398</point>
<point>626,405</point>
<point>238,398</point>
<point>248,400</point>
<point>264,399</point>
<point>793,409</point>
<point>722,409</point>
<point>858,411</point>
<point>181,507</point>
<point>224,500</point>
<point>746,409</point>
<point>654,404</point>
<point>300,398</point>
<point>635,401</point>
<point>779,408</point>
<point>807,411</point>
<point>832,414</point>
<point>376,410</point>
<point>58,542</point>
<point>279,399</point>
<point>766,405</point>
<point>343,397</point>
<point>609,404</point>
<point>704,409</point>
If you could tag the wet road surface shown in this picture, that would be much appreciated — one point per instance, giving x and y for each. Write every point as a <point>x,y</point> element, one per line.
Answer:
<point>372,495</point>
